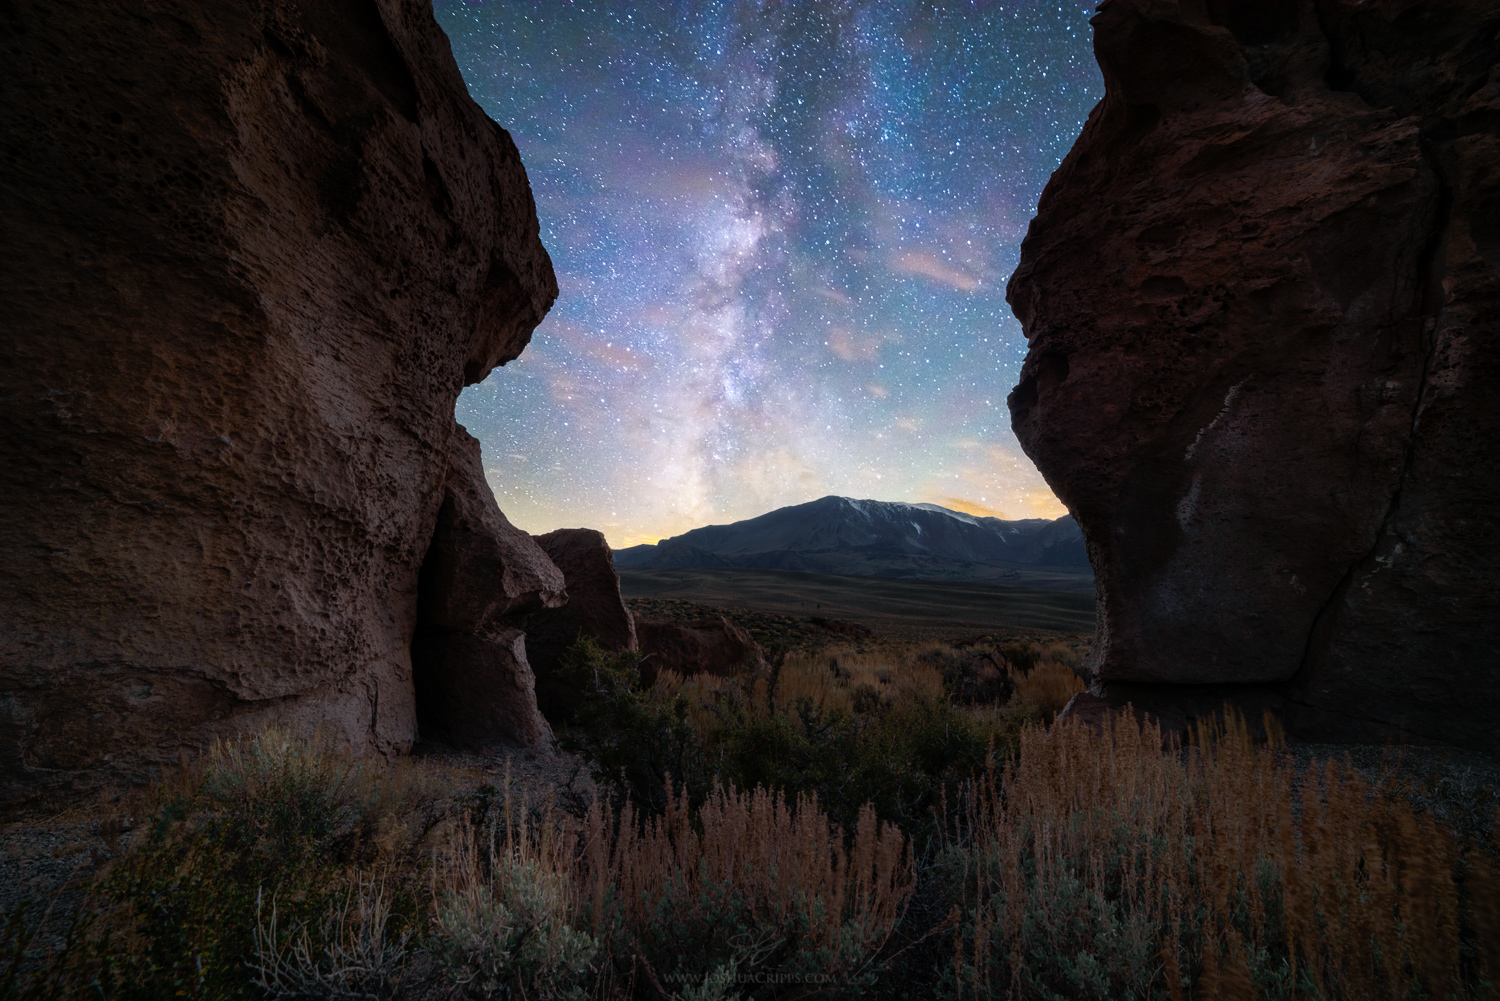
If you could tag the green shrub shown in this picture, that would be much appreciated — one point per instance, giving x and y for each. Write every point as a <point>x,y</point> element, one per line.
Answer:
<point>510,935</point>
<point>635,737</point>
<point>274,822</point>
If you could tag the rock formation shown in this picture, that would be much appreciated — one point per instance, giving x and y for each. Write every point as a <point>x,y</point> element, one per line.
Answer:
<point>473,683</point>
<point>710,645</point>
<point>1260,297</point>
<point>594,609</point>
<point>252,253</point>
<point>476,689</point>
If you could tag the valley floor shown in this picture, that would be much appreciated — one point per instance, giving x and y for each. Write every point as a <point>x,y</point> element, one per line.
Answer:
<point>908,609</point>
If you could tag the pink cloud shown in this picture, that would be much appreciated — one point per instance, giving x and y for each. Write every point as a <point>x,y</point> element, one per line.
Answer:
<point>929,265</point>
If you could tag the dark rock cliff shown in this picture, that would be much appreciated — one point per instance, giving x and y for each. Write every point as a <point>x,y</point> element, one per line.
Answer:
<point>252,253</point>
<point>1261,300</point>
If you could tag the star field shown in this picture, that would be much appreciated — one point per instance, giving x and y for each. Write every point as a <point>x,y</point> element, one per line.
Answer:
<point>782,233</point>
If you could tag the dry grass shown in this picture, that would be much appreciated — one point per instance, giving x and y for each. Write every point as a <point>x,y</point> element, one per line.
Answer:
<point>829,677</point>
<point>508,921</point>
<point>352,953</point>
<point>1042,677</point>
<point>745,882</point>
<point>699,691</point>
<point>273,853</point>
<point>1048,686</point>
<point>787,862</point>
<point>1085,865</point>
<point>1095,865</point>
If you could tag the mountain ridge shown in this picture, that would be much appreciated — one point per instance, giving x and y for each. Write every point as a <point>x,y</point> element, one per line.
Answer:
<point>870,538</point>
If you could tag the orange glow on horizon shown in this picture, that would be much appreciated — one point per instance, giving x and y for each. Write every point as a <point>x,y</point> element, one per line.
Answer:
<point>971,507</point>
<point>1032,504</point>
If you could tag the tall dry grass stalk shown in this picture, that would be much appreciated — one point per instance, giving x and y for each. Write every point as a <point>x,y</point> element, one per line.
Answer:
<point>354,953</point>
<point>744,881</point>
<point>787,862</point>
<point>1095,865</point>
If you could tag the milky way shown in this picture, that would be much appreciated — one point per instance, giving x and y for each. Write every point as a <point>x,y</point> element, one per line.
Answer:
<point>782,233</point>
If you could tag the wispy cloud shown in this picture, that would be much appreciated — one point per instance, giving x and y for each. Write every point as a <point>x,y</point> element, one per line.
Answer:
<point>929,265</point>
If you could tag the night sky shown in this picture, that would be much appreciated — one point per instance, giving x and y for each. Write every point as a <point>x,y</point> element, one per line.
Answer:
<point>782,233</point>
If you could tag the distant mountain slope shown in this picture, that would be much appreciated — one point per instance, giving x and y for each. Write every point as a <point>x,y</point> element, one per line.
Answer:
<point>871,538</point>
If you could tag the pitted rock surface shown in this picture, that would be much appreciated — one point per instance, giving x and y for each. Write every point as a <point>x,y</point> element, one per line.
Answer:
<point>253,251</point>
<point>1260,296</point>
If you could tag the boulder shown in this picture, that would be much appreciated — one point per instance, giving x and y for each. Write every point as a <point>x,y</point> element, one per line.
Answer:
<point>1260,298</point>
<point>594,609</point>
<point>252,253</point>
<point>709,645</point>
<point>480,575</point>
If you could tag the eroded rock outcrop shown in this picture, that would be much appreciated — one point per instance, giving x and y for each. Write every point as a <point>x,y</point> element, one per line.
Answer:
<point>482,575</point>
<point>475,689</point>
<point>1260,296</point>
<point>252,253</point>
<point>594,609</point>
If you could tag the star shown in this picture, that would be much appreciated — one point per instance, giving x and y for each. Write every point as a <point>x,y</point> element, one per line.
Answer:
<point>782,234</point>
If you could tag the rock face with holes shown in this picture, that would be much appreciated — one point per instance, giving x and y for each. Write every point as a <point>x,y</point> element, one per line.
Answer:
<point>252,253</point>
<point>1261,301</point>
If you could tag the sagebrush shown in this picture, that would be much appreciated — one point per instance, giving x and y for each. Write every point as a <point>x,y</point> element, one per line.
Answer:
<point>862,823</point>
<point>1094,865</point>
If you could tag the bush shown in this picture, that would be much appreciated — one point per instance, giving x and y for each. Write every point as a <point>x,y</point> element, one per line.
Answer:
<point>745,895</point>
<point>634,736</point>
<point>1081,864</point>
<point>272,826</point>
<point>1047,687</point>
<point>351,956</point>
<point>508,932</point>
<point>755,889</point>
